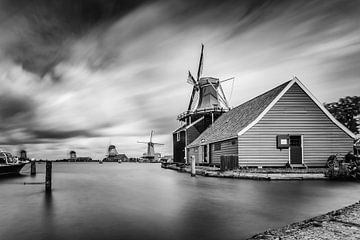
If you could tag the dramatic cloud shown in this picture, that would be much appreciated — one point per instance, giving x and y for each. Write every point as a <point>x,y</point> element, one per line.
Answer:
<point>81,74</point>
<point>46,29</point>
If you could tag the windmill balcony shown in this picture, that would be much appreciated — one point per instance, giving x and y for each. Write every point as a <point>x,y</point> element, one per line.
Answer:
<point>186,114</point>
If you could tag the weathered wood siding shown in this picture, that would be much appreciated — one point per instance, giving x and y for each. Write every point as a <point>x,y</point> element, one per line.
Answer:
<point>295,114</point>
<point>228,148</point>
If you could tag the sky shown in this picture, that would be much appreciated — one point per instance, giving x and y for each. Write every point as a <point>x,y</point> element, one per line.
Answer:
<point>83,74</point>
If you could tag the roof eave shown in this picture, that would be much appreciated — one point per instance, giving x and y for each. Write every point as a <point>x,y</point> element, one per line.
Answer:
<point>267,109</point>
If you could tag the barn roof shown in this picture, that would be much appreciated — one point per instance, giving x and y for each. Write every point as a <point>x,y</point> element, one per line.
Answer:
<point>241,118</point>
<point>229,124</point>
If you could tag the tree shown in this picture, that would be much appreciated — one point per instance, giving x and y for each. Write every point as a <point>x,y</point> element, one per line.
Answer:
<point>345,110</point>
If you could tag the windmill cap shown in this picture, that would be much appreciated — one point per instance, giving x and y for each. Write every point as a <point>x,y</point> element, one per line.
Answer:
<point>205,80</point>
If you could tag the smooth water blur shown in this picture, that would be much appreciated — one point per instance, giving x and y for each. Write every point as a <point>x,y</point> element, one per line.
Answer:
<point>143,201</point>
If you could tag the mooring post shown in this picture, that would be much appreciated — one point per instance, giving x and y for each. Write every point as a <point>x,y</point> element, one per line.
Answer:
<point>193,170</point>
<point>48,176</point>
<point>32,167</point>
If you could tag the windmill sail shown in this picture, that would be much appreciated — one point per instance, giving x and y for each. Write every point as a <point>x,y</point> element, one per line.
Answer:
<point>191,79</point>
<point>200,69</point>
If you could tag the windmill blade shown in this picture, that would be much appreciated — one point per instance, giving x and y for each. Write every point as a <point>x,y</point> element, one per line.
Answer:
<point>223,95</point>
<point>200,69</point>
<point>222,99</point>
<point>151,134</point>
<point>232,88</point>
<point>192,98</point>
<point>191,79</point>
<point>142,142</point>
<point>158,144</point>
<point>228,79</point>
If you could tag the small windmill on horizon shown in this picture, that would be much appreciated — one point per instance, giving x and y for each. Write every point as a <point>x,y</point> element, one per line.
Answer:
<point>150,154</point>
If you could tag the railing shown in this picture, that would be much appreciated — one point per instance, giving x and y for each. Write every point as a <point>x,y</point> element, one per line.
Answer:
<point>203,110</point>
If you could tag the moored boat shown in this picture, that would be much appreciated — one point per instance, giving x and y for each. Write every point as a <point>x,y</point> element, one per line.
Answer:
<point>9,164</point>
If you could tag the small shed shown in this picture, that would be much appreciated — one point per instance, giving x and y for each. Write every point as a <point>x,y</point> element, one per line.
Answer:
<point>286,125</point>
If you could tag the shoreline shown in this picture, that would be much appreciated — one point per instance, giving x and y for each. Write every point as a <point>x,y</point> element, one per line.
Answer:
<point>339,224</point>
<point>264,175</point>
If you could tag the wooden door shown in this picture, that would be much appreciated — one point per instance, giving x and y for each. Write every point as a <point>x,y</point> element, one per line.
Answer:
<point>295,150</point>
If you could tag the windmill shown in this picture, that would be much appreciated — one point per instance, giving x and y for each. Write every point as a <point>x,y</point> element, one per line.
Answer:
<point>207,95</point>
<point>207,103</point>
<point>150,154</point>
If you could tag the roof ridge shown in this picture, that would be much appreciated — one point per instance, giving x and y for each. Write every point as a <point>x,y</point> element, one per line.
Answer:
<point>258,96</point>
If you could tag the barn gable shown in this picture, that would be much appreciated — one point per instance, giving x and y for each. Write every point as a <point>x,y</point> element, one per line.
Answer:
<point>311,96</point>
<point>296,114</point>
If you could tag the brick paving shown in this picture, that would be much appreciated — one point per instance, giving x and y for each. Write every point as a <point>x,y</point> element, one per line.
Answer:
<point>339,224</point>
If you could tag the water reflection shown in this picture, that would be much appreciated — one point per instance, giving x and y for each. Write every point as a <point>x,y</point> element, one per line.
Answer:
<point>143,201</point>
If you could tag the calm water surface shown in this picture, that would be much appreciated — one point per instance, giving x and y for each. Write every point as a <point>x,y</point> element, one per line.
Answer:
<point>143,201</point>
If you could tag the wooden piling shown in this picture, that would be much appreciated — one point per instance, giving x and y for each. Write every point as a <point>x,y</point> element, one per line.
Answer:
<point>48,176</point>
<point>193,170</point>
<point>32,168</point>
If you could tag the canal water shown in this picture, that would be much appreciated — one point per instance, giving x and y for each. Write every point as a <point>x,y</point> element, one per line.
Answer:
<point>143,201</point>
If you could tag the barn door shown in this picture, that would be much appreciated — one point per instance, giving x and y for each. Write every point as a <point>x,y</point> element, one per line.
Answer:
<point>295,150</point>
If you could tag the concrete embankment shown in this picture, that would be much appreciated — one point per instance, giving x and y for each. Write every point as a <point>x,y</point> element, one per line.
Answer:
<point>255,175</point>
<point>339,224</point>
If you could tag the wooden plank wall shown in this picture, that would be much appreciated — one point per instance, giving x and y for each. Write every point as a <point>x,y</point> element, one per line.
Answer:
<point>295,113</point>
<point>228,148</point>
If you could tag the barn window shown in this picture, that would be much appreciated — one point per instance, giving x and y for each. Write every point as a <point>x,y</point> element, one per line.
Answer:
<point>233,142</point>
<point>217,146</point>
<point>178,136</point>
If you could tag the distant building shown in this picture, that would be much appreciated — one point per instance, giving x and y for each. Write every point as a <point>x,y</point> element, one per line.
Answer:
<point>286,125</point>
<point>114,156</point>
<point>23,155</point>
<point>72,156</point>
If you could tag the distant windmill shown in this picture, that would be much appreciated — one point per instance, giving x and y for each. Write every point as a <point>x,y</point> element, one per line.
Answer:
<point>150,154</point>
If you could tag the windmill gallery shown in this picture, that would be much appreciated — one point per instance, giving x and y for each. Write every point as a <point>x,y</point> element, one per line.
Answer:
<point>284,126</point>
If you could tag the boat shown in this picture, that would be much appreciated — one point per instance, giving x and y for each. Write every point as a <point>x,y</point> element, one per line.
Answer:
<point>10,164</point>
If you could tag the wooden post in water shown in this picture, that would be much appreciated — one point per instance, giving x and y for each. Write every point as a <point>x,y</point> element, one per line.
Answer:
<point>48,176</point>
<point>193,170</point>
<point>32,168</point>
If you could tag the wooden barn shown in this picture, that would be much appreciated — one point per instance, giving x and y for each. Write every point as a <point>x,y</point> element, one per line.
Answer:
<point>286,125</point>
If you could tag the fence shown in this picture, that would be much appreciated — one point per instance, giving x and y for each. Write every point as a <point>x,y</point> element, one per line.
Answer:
<point>228,163</point>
